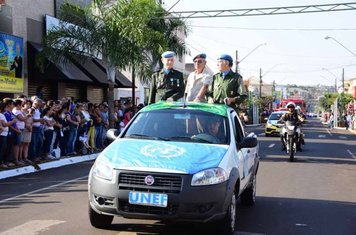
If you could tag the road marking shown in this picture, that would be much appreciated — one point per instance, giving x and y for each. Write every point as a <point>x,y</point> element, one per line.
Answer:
<point>321,136</point>
<point>271,145</point>
<point>42,189</point>
<point>352,155</point>
<point>302,225</point>
<point>32,227</point>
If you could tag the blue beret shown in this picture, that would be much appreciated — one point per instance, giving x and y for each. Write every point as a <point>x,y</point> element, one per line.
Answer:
<point>225,57</point>
<point>201,55</point>
<point>168,54</point>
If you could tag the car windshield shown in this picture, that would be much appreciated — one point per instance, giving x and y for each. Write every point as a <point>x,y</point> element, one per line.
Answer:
<point>179,125</point>
<point>275,116</point>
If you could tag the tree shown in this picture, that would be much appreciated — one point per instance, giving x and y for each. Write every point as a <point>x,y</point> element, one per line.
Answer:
<point>115,31</point>
<point>170,28</point>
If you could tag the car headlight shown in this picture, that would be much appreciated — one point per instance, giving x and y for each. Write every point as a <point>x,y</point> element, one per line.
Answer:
<point>102,169</point>
<point>209,177</point>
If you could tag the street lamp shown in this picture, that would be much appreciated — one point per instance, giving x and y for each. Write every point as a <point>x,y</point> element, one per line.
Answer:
<point>327,38</point>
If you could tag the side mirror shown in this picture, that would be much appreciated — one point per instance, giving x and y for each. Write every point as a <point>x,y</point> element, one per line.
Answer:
<point>248,142</point>
<point>112,134</point>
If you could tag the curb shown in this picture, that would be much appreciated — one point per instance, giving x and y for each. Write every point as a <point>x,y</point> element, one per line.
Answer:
<point>47,165</point>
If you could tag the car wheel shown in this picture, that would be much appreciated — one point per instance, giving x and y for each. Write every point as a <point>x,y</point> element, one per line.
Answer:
<point>98,220</point>
<point>228,224</point>
<point>248,197</point>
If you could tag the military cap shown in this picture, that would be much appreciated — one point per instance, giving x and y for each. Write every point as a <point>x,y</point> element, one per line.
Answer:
<point>168,54</point>
<point>225,57</point>
<point>201,55</point>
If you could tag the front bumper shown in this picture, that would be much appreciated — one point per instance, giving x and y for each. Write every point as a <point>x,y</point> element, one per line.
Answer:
<point>185,203</point>
<point>272,129</point>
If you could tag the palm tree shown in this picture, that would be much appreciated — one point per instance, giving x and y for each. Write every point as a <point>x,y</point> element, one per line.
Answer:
<point>117,32</point>
<point>170,28</point>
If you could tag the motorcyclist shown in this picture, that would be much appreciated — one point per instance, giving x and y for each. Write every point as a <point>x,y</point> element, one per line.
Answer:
<point>294,116</point>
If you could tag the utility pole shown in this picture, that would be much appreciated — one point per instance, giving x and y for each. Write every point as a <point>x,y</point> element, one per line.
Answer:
<point>237,69</point>
<point>343,79</point>
<point>260,82</point>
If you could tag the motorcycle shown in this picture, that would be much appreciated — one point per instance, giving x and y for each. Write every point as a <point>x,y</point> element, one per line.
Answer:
<point>292,137</point>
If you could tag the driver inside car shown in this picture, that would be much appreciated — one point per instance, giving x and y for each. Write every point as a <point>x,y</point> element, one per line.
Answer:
<point>213,128</point>
<point>294,116</point>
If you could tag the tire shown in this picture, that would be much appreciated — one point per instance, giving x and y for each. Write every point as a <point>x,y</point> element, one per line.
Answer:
<point>248,197</point>
<point>291,149</point>
<point>228,224</point>
<point>98,220</point>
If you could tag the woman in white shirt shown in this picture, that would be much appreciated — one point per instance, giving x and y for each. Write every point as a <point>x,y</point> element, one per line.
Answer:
<point>48,132</point>
<point>18,139</point>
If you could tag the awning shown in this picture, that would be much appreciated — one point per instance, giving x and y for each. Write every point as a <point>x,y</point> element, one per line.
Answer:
<point>54,71</point>
<point>90,68</point>
<point>121,80</point>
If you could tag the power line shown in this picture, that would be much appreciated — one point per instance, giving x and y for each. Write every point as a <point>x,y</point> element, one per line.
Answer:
<point>270,29</point>
<point>263,11</point>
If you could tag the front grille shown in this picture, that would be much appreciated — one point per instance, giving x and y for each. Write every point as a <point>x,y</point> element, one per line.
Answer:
<point>163,183</point>
<point>129,208</point>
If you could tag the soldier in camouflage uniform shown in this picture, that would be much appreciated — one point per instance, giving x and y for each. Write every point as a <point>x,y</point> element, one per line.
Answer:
<point>227,86</point>
<point>167,84</point>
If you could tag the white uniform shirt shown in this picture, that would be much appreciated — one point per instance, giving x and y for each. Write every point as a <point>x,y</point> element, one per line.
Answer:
<point>20,124</point>
<point>36,115</point>
<point>195,82</point>
<point>5,128</point>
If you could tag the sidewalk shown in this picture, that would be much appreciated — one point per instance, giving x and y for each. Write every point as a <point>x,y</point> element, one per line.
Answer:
<point>339,128</point>
<point>6,173</point>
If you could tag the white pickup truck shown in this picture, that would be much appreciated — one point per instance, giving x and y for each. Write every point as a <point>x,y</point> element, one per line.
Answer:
<point>176,162</point>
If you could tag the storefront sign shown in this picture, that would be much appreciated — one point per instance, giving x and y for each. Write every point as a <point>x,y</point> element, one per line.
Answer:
<point>11,63</point>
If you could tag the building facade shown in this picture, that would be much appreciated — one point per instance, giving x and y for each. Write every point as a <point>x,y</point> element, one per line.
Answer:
<point>84,81</point>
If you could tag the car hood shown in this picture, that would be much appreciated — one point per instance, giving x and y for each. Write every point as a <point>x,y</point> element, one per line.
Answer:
<point>163,156</point>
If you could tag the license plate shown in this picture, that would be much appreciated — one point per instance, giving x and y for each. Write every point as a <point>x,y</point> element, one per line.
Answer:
<point>148,199</point>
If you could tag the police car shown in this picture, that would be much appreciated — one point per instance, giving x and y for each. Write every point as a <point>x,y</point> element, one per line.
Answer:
<point>272,125</point>
<point>176,161</point>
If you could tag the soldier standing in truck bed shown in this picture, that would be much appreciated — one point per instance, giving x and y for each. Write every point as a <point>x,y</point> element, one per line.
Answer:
<point>167,84</point>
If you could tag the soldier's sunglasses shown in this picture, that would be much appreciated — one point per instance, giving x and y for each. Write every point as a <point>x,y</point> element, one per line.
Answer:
<point>198,61</point>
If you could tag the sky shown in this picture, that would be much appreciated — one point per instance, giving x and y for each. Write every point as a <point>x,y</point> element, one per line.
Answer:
<point>289,49</point>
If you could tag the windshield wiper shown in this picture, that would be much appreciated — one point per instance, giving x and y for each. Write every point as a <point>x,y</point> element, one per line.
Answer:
<point>180,138</point>
<point>149,137</point>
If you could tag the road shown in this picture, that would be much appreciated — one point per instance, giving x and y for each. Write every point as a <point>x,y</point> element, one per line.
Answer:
<point>316,194</point>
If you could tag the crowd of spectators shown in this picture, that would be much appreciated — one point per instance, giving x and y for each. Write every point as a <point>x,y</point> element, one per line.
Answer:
<point>33,130</point>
